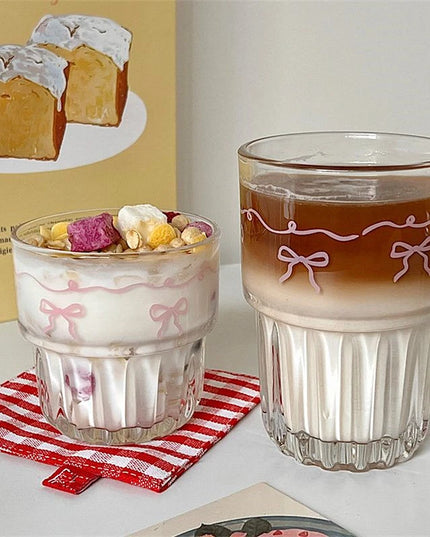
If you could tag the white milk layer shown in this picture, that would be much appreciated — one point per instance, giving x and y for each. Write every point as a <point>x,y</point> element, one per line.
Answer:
<point>338,306</point>
<point>104,306</point>
<point>346,364</point>
<point>346,387</point>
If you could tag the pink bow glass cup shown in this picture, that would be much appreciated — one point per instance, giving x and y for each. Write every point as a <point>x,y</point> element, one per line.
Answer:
<point>119,338</point>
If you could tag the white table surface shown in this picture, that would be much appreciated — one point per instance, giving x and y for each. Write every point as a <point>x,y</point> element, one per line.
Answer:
<point>380,503</point>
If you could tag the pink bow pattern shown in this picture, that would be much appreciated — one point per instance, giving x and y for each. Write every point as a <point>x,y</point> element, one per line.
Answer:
<point>68,313</point>
<point>164,314</point>
<point>403,250</point>
<point>317,259</point>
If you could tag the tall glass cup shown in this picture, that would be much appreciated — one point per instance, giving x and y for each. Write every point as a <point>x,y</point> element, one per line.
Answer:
<point>335,261</point>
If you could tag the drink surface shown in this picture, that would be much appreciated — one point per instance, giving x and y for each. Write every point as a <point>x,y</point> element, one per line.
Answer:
<point>337,244</point>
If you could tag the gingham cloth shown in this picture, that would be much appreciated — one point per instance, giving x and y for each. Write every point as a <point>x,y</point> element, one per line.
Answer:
<point>155,465</point>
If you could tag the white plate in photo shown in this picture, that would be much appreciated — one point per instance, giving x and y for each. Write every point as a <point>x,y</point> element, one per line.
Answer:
<point>87,144</point>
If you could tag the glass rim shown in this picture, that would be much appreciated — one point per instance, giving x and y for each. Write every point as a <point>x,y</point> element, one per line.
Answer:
<point>40,250</point>
<point>245,152</point>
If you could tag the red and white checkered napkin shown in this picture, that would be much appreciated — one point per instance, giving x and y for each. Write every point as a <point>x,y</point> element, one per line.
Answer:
<point>155,465</point>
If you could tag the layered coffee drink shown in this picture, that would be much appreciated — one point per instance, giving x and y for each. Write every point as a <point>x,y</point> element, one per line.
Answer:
<point>335,262</point>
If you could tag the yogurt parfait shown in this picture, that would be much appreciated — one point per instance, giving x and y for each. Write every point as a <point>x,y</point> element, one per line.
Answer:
<point>117,305</point>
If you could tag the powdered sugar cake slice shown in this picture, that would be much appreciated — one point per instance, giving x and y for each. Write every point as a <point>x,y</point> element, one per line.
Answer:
<point>97,50</point>
<point>32,91</point>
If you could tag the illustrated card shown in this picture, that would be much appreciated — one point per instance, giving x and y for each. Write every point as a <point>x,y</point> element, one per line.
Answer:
<point>258,511</point>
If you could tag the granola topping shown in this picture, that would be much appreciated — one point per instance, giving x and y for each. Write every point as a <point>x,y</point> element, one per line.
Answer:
<point>136,228</point>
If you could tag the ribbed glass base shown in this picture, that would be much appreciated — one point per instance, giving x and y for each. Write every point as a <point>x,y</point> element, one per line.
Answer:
<point>343,400</point>
<point>351,456</point>
<point>129,435</point>
<point>120,400</point>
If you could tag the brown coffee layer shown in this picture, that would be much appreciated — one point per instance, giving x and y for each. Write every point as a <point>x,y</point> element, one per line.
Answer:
<point>378,252</point>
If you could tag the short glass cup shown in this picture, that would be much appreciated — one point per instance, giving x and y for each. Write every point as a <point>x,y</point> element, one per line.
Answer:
<point>335,261</point>
<point>119,338</point>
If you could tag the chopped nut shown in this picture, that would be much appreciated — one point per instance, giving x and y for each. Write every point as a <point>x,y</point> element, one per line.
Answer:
<point>161,248</point>
<point>203,226</point>
<point>110,248</point>
<point>144,248</point>
<point>180,221</point>
<point>45,232</point>
<point>57,245</point>
<point>176,243</point>
<point>40,240</point>
<point>192,235</point>
<point>118,248</point>
<point>134,239</point>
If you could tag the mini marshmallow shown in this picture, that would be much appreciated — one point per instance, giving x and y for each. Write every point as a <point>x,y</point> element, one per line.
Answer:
<point>140,218</point>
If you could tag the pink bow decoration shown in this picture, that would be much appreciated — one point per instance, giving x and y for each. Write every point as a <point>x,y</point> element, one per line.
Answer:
<point>317,259</point>
<point>68,313</point>
<point>403,250</point>
<point>163,314</point>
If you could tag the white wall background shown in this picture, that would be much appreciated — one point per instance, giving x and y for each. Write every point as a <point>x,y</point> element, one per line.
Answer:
<point>247,69</point>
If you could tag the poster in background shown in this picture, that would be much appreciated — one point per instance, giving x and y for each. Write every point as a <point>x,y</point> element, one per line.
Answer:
<point>98,167</point>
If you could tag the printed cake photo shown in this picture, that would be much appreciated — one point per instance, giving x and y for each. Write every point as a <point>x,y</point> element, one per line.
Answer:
<point>32,91</point>
<point>98,52</point>
<point>73,70</point>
